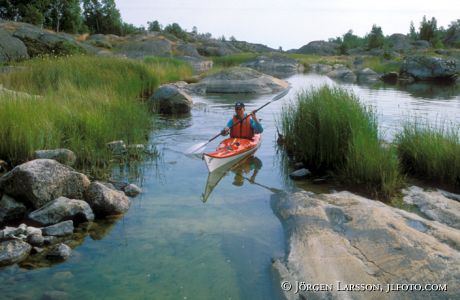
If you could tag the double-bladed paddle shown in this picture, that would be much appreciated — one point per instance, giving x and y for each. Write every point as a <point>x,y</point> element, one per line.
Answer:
<point>199,147</point>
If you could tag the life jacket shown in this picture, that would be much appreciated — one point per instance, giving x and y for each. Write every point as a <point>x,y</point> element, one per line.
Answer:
<point>243,129</point>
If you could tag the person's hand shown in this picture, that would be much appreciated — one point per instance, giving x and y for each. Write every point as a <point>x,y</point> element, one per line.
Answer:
<point>254,117</point>
<point>225,131</point>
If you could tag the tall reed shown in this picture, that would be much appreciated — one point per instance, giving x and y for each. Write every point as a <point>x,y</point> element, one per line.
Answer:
<point>430,151</point>
<point>330,130</point>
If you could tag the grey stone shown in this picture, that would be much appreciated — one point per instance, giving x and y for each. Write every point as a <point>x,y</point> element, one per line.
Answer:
<point>399,42</point>
<point>199,64</point>
<point>320,68</point>
<point>43,180</point>
<point>320,48</point>
<point>105,201</point>
<point>64,156</point>
<point>240,80</point>
<point>429,68</point>
<point>59,229</point>
<point>147,47</point>
<point>168,99</point>
<point>300,173</point>
<point>132,190</point>
<point>347,238</point>
<point>342,73</point>
<point>275,65</point>
<point>11,48</point>
<point>391,77</point>
<point>59,251</point>
<point>10,209</point>
<point>36,240</point>
<point>368,75</point>
<point>62,209</point>
<point>13,251</point>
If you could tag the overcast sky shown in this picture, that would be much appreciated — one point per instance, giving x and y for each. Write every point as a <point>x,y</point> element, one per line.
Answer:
<point>289,23</point>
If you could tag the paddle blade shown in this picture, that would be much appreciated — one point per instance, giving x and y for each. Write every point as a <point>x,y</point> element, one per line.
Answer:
<point>196,148</point>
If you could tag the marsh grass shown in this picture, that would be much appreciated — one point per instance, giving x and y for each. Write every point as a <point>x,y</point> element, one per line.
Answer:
<point>430,152</point>
<point>84,103</point>
<point>169,69</point>
<point>308,59</point>
<point>331,131</point>
<point>381,65</point>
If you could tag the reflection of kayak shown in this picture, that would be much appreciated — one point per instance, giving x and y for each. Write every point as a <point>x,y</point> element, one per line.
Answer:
<point>213,180</point>
<point>230,151</point>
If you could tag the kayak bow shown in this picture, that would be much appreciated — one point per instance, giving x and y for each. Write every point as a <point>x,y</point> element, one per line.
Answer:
<point>230,151</point>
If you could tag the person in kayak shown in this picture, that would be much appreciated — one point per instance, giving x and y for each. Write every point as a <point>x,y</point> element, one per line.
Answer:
<point>245,129</point>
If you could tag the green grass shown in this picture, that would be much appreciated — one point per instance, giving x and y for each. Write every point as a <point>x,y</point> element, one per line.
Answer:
<point>169,69</point>
<point>430,152</point>
<point>232,60</point>
<point>331,131</point>
<point>84,103</point>
<point>381,65</point>
<point>308,59</point>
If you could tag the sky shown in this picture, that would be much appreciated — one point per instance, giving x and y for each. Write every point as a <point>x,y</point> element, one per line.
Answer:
<point>289,24</point>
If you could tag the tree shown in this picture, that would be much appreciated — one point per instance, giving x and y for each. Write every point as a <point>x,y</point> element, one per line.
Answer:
<point>176,30</point>
<point>102,16</point>
<point>428,29</point>
<point>412,33</point>
<point>375,39</point>
<point>154,26</point>
<point>349,41</point>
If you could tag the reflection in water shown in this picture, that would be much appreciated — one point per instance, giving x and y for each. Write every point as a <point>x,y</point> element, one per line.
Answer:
<point>240,170</point>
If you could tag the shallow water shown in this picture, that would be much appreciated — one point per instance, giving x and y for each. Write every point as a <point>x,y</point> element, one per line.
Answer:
<point>171,244</point>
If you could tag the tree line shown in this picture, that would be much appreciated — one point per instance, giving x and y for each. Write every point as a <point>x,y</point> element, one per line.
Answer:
<point>72,16</point>
<point>428,30</point>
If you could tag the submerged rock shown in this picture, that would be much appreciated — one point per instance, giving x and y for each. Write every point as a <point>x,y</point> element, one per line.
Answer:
<point>345,238</point>
<point>132,190</point>
<point>40,181</point>
<point>105,201</point>
<point>13,251</point>
<point>62,209</point>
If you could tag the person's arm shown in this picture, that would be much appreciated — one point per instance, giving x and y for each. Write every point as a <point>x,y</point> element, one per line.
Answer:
<point>226,130</point>
<point>255,124</point>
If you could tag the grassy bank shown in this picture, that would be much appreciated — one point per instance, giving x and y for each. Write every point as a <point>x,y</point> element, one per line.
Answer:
<point>330,130</point>
<point>430,152</point>
<point>308,59</point>
<point>84,103</point>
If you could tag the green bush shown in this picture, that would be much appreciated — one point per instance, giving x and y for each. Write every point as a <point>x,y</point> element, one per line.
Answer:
<point>330,130</point>
<point>430,152</point>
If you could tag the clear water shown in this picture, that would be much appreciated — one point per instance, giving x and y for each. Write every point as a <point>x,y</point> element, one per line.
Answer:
<point>171,244</point>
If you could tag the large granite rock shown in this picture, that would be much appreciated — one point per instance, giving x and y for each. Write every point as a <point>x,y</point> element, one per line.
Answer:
<point>399,42</point>
<point>11,48</point>
<point>347,239</point>
<point>429,68</point>
<point>64,156</point>
<point>13,251</point>
<point>40,181</point>
<point>10,209</point>
<point>216,48</point>
<point>342,73</point>
<point>199,64</point>
<point>367,75</point>
<point>240,80</point>
<point>145,47</point>
<point>320,48</point>
<point>62,209</point>
<point>435,205</point>
<point>275,65</point>
<point>168,99</point>
<point>106,201</point>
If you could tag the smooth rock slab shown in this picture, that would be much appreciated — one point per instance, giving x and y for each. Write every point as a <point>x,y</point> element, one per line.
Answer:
<point>41,181</point>
<point>62,209</point>
<point>60,229</point>
<point>105,201</point>
<point>351,239</point>
<point>13,251</point>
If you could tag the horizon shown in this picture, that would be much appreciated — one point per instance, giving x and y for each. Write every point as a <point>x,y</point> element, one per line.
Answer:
<point>306,22</point>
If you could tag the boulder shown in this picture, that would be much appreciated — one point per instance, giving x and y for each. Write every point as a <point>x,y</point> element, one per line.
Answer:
<point>187,50</point>
<point>17,233</point>
<point>59,229</point>
<point>62,209</point>
<point>168,99</point>
<point>240,80</point>
<point>421,44</point>
<point>132,190</point>
<point>429,68</point>
<point>399,42</point>
<point>435,205</point>
<point>105,201</point>
<point>342,73</point>
<point>367,75</point>
<point>64,156</point>
<point>11,48</point>
<point>275,65</point>
<point>13,251</point>
<point>320,68</point>
<point>42,180</point>
<point>320,48</point>
<point>199,65</point>
<point>60,251</point>
<point>345,239</point>
<point>390,77</point>
<point>10,209</point>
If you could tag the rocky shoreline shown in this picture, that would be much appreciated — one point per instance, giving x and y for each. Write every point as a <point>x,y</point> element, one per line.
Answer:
<point>345,246</point>
<point>51,201</point>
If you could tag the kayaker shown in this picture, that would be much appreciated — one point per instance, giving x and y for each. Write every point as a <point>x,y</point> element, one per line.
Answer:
<point>245,129</point>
